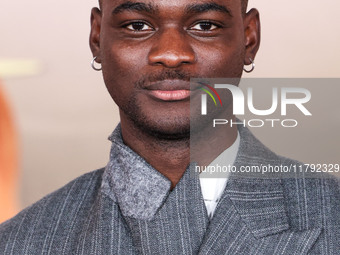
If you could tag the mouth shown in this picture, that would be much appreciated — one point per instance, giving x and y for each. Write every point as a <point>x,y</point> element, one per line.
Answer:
<point>170,95</point>
<point>169,90</point>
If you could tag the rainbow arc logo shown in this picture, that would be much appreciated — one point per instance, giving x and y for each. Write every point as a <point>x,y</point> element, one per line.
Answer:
<point>204,97</point>
<point>209,93</point>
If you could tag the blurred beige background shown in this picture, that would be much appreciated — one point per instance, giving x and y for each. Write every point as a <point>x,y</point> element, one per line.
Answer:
<point>63,113</point>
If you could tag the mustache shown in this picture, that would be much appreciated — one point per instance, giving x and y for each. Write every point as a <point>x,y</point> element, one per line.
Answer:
<point>164,75</point>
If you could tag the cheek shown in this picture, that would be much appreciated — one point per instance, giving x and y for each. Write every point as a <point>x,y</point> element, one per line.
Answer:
<point>221,61</point>
<point>224,56</point>
<point>123,62</point>
<point>121,69</point>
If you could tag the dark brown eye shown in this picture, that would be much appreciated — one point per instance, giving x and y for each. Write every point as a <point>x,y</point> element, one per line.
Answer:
<point>204,26</point>
<point>138,26</point>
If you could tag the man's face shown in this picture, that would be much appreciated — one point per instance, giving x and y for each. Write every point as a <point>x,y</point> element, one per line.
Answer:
<point>149,50</point>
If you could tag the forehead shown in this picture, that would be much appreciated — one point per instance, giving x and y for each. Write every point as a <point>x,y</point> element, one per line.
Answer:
<point>158,6</point>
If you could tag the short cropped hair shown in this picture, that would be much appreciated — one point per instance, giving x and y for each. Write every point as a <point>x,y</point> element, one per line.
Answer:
<point>244,4</point>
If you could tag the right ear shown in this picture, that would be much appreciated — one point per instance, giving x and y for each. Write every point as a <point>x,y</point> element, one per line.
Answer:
<point>96,18</point>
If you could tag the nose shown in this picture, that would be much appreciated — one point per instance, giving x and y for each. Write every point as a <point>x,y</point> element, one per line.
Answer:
<point>171,50</point>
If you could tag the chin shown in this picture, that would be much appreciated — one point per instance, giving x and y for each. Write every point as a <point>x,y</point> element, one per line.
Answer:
<point>169,121</point>
<point>167,128</point>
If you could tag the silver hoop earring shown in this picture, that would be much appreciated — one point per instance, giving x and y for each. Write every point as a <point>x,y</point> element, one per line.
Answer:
<point>93,66</point>
<point>252,66</point>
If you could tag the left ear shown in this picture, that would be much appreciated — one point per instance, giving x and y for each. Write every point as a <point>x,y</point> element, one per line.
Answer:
<point>96,18</point>
<point>252,32</point>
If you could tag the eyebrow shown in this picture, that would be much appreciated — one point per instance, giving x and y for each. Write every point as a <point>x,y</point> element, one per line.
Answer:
<point>206,7</point>
<point>135,6</point>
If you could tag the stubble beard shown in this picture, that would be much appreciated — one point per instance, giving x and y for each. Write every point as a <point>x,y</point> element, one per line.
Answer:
<point>166,127</point>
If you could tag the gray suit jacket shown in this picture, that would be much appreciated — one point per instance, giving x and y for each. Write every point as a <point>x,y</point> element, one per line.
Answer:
<point>95,214</point>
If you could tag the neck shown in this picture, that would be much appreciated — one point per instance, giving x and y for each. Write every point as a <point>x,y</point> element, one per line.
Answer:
<point>172,157</point>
